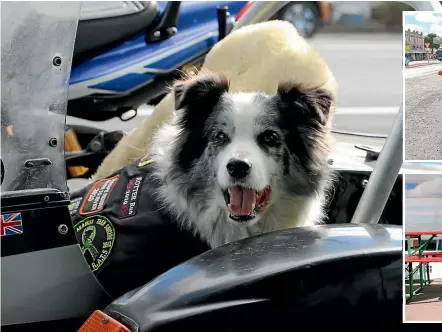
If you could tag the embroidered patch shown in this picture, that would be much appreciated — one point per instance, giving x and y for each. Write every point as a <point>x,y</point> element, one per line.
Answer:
<point>96,198</point>
<point>129,206</point>
<point>96,236</point>
<point>11,224</point>
<point>145,161</point>
<point>75,204</point>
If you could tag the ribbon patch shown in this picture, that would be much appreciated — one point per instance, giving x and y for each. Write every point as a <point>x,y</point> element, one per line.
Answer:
<point>129,206</point>
<point>97,197</point>
<point>96,235</point>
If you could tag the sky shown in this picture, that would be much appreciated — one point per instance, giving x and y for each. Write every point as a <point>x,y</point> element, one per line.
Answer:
<point>425,22</point>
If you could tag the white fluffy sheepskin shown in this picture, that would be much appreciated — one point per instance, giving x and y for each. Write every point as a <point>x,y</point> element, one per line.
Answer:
<point>255,58</point>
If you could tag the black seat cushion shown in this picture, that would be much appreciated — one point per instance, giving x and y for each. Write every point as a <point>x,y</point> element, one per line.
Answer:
<point>99,33</point>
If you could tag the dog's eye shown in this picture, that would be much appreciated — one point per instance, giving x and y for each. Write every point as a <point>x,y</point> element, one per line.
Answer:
<point>270,138</point>
<point>221,137</point>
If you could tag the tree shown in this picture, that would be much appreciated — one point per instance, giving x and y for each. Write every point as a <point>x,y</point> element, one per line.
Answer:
<point>429,39</point>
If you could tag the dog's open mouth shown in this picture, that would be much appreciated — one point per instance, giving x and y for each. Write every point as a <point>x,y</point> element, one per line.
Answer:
<point>244,204</point>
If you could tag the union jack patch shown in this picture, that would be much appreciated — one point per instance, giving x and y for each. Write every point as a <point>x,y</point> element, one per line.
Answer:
<point>11,224</point>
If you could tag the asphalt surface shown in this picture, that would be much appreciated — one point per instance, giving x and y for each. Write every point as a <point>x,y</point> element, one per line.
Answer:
<point>368,67</point>
<point>423,113</point>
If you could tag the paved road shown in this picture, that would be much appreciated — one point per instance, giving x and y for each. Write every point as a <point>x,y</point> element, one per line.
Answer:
<point>423,113</point>
<point>420,71</point>
<point>368,67</point>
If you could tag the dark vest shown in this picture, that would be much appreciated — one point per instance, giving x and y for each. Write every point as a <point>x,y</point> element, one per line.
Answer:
<point>124,234</point>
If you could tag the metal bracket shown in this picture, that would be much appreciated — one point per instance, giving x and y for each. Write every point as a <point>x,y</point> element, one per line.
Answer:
<point>166,27</point>
<point>372,153</point>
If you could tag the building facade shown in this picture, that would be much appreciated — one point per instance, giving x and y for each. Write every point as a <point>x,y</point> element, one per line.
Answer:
<point>414,45</point>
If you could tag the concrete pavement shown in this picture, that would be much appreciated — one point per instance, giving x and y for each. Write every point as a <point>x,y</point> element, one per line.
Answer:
<point>423,113</point>
<point>426,305</point>
<point>422,70</point>
<point>368,67</point>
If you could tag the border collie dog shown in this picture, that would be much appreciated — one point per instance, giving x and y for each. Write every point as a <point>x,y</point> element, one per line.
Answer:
<point>240,164</point>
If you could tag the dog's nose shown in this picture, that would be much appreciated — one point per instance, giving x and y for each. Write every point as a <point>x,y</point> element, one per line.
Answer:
<point>238,168</point>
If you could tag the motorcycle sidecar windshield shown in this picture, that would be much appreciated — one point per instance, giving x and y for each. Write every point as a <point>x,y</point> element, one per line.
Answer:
<point>37,40</point>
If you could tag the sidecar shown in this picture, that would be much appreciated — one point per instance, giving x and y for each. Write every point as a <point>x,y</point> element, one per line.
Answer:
<point>346,272</point>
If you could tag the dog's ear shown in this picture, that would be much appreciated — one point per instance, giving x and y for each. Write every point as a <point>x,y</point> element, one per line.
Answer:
<point>310,102</point>
<point>198,89</point>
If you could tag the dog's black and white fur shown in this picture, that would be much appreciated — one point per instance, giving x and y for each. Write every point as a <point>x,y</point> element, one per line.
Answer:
<point>277,145</point>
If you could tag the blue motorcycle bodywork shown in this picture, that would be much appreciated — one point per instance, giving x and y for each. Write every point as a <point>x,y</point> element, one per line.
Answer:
<point>135,63</point>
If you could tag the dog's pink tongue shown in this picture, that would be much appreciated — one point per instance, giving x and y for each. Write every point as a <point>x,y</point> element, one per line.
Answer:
<point>241,200</point>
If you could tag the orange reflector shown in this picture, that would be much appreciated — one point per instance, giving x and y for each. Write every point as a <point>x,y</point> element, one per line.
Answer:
<point>71,144</point>
<point>100,322</point>
<point>440,73</point>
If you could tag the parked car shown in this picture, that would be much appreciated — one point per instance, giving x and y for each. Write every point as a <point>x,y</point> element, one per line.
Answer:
<point>306,16</point>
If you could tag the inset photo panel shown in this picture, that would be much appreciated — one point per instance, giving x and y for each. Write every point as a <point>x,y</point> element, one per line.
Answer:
<point>423,248</point>
<point>422,74</point>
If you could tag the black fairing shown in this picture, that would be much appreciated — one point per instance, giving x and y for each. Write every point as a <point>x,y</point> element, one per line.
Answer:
<point>324,275</point>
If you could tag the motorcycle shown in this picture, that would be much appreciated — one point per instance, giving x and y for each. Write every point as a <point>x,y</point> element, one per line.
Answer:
<point>127,52</point>
<point>351,266</point>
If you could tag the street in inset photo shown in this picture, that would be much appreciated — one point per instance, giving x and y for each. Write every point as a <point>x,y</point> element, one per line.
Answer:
<point>423,81</point>
<point>423,256</point>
